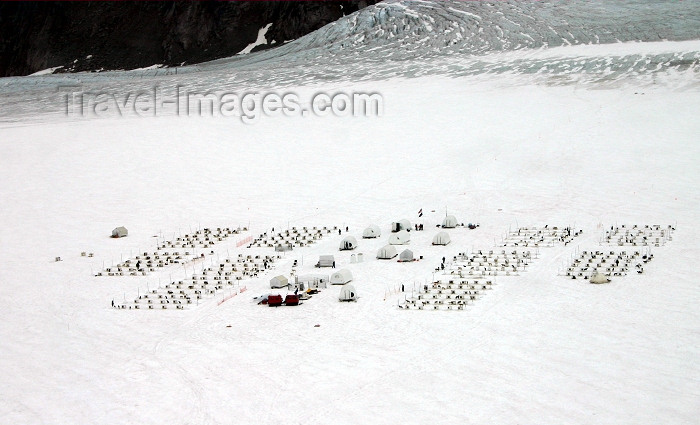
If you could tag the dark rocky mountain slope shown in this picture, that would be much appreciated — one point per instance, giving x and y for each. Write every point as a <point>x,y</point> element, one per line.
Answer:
<point>85,36</point>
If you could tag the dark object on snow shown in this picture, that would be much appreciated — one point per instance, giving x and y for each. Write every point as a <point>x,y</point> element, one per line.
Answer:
<point>274,300</point>
<point>291,299</point>
<point>87,36</point>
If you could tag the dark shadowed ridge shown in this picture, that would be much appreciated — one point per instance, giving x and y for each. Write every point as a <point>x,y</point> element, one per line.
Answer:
<point>87,36</point>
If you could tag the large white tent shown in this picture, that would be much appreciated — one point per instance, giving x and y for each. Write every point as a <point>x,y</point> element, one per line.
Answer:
<point>442,238</point>
<point>120,232</point>
<point>279,282</point>
<point>326,261</point>
<point>400,238</point>
<point>349,243</point>
<point>449,222</point>
<point>406,256</point>
<point>347,293</point>
<point>386,253</point>
<point>400,225</point>
<point>372,231</point>
<point>341,277</point>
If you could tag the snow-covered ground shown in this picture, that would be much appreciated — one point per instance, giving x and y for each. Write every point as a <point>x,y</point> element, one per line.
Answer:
<point>503,150</point>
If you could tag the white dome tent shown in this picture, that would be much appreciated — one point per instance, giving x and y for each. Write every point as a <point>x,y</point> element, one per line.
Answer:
<point>372,231</point>
<point>442,238</point>
<point>400,238</point>
<point>450,222</point>
<point>347,293</point>
<point>400,225</point>
<point>348,244</point>
<point>341,277</point>
<point>386,253</point>
<point>406,256</point>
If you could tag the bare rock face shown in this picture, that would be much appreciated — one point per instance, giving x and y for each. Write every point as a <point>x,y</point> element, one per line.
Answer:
<point>87,36</point>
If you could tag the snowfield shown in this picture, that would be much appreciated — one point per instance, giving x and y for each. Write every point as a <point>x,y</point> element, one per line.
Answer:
<point>504,150</point>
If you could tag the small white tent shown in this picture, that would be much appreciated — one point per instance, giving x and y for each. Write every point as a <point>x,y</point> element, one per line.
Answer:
<point>599,278</point>
<point>347,293</point>
<point>400,225</point>
<point>442,238</point>
<point>450,222</point>
<point>372,231</point>
<point>400,238</point>
<point>386,253</point>
<point>119,232</point>
<point>279,282</point>
<point>349,243</point>
<point>341,277</point>
<point>406,256</point>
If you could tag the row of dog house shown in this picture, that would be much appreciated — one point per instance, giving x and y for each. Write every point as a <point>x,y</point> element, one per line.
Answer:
<point>401,237</point>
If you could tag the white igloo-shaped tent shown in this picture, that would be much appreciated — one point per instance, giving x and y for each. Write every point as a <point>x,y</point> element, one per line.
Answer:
<point>406,256</point>
<point>599,278</point>
<point>400,225</point>
<point>450,222</point>
<point>279,282</point>
<point>348,244</point>
<point>347,293</point>
<point>400,238</point>
<point>442,238</point>
<point>386,253</point>
<point>120,232</point>
<point>372,231</point>
<point>341,277</point>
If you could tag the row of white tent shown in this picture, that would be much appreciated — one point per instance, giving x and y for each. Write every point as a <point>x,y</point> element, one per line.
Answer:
<point>373,231</point>
<point>339,277</point>
<point>399,238</point>
<point>403,237</point>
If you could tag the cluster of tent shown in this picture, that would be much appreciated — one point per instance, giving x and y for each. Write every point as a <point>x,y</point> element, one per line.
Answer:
<point>340,277</point>
<point>400,233</point>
